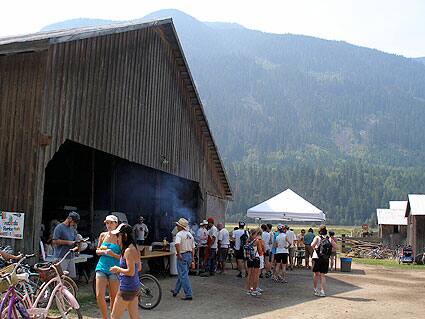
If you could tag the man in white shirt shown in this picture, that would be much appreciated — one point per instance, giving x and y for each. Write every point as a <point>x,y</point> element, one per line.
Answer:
<point>212,246</point>
<point>185,248</point>
<point>141,231</point>
<point>240,236</point>
<point>202,239</point>
<point>223,244</point>
<point>266,237</point>
<point>282,244</point>
<point>291,250</point>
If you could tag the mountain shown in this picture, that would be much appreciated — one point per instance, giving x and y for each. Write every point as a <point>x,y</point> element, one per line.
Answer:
<point>421,60</point>
<point>77,23</point>
<point>340,124</point>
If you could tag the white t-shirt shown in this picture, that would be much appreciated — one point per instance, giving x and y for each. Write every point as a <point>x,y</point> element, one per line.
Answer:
<point>266,239</point>
<point>202,236</point>
<point>223,237</point>
<point>237,236</point>
<point>140,230</point>
<point>186,241</point>
<point>282,244</point>
<point>291,237</point>
<point>213,232</point>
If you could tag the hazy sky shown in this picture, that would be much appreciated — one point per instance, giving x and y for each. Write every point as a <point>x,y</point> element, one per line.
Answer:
<point>395,26</point>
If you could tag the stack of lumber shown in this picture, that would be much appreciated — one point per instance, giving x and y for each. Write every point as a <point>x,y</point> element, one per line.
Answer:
<point>365,249</point>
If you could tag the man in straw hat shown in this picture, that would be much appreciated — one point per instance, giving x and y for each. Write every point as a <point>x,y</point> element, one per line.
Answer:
<point>185,245</point>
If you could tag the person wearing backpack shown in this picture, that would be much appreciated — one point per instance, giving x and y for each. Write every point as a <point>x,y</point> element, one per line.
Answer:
<point>253,262</point>
<point>240,237</point>
<point>322,252</point>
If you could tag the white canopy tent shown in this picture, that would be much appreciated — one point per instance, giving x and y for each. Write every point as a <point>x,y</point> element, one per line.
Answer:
<point>287,206</point>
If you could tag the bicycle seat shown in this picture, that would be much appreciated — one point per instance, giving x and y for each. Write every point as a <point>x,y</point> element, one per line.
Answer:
<point>66,272</point>
<point>23,276</point>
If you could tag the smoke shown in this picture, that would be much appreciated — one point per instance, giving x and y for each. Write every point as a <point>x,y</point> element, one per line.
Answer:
<point>182,197</point>
<point>161,198</point>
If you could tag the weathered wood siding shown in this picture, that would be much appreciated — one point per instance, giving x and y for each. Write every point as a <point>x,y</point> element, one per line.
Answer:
<point>21,87</point>
<point>122,93</point>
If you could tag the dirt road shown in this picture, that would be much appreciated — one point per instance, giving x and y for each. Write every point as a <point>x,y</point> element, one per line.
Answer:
<point>367,292</point>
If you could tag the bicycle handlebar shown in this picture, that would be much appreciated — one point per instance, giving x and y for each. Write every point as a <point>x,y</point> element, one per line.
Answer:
<point>75,249</point>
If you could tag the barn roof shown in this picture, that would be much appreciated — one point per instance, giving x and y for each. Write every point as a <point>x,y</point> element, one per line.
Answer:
<point>391,217</point>
<point>43,40</point>
<point>398,204</point>
<point>415,204</point>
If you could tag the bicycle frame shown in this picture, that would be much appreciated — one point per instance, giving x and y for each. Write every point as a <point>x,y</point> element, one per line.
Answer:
<point>59,286</point>
<point>11,294</point>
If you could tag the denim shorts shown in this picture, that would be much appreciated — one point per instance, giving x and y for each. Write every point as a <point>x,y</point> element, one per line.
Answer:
<point>100,274</point>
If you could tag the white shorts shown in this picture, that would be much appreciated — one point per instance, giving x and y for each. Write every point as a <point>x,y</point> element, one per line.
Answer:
<point>261,262</point>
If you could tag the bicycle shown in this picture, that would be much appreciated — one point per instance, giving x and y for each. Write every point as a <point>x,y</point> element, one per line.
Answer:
<point>14,305</point>
<point>35,281</point>
<point>150,292</point>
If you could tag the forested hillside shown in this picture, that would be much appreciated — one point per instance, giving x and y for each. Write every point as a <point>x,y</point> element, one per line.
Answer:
<point>340,124</point>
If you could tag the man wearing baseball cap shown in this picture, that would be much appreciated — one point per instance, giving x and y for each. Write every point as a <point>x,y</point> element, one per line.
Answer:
<point>64,238</point>
<point>202,239</point>
<point>212,246</point>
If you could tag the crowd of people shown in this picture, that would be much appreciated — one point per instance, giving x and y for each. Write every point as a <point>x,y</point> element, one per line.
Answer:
<point>261,252</point>
<point>265,252</point>
<point>117,268</point>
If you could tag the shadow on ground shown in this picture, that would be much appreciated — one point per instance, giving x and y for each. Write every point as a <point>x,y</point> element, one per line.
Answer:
<point>223,296</point>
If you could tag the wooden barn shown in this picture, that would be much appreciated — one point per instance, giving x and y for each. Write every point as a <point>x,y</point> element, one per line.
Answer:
<point>104,119</point>
<point>393,223</point>
<point>415,213</point>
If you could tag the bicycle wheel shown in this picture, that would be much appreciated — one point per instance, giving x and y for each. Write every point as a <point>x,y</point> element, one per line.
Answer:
<point>70,285</point>
<point>62,308</point>
<point>150,292</point>
<point>54,311</point>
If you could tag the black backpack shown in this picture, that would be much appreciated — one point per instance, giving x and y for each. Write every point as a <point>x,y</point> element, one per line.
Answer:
<point>244,239</point>
<point>325,248</point>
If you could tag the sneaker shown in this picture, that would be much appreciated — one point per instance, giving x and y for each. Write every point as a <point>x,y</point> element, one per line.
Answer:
<point>239,275</point>
<point>255,293</point>
<point>249,292</point>
<point>259,290</point>
<point>322,294</point>
<point>316,292</point>
<point>261,275</point>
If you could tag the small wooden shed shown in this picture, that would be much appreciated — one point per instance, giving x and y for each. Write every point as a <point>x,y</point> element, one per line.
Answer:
<point>392,224</point>
<point>415,213</point>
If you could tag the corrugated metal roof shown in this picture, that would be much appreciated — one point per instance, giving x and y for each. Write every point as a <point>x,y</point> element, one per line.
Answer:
<point>398,204</point>
<point>416,204</point>
<point>391,217</point>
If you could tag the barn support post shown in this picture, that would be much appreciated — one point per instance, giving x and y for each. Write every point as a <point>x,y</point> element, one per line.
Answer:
<point>93,159</point>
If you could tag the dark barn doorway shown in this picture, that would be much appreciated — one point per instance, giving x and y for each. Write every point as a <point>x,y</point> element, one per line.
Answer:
<point>95,183</point>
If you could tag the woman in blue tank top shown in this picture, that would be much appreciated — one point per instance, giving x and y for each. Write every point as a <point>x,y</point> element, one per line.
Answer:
<point>110,253</point>
<point>128,272</point>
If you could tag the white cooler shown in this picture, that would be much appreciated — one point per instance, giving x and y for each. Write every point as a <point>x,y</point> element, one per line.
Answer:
<point>173,259</point>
